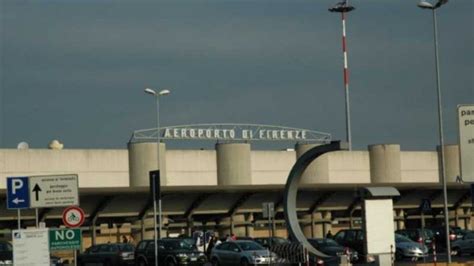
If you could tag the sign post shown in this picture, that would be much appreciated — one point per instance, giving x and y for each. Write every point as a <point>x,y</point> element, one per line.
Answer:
<point>466,141</point>
<point>155,192</point>
<point>268,211</point>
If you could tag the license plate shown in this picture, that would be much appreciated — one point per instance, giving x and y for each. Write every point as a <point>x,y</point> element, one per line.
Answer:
<point>193,259</point>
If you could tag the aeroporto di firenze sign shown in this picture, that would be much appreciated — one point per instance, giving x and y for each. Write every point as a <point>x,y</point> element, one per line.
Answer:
<point>246,132</point>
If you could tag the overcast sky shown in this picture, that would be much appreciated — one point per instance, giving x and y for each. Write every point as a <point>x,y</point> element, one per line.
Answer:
<point>75,70</point>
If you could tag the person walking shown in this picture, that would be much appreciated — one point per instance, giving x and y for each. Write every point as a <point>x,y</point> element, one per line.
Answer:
<point>212,243</point>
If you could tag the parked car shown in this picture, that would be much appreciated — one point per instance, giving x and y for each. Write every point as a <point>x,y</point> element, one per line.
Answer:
<point>422,236</point>
<point>56,261</point>
<point>352,238</point>
<point>266,242</point>
<point>108,255</point>
<point>464,245</point>
<point>439,234</point>
<point>241,252</point>
<point>6,253</point>
<point>407,248</point>
<point>330,247</point>
<point>171,252</point>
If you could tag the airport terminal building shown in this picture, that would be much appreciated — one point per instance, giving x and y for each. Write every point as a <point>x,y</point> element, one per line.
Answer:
<point>222,189</point>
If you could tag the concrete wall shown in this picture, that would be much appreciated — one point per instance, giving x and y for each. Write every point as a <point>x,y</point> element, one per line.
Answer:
<point>349,167</point>
<point>275,172</point>
<point>230,164</point>
<point>419,166</point>
<point>191,167</point>
<point>96,168</point>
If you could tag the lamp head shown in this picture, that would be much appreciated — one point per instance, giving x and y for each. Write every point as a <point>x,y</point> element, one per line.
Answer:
<point>150,91</point>
<point>425,5</point>
<point>164,92</point>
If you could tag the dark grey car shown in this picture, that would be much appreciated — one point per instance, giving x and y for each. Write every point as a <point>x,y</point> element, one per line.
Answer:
<point>241,252</point>
<point>465,245</point>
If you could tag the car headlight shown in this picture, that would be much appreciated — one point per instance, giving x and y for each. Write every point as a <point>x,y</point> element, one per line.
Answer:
<point>413,248</point>
<point>256,257</point>
<point>370,258</point>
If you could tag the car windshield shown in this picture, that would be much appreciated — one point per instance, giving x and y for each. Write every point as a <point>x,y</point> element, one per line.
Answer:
<point>181,244</point>
<point>126,247</point>
<point>428,233</point>
<point>249,245</point>
<point>279,241</point>
<point>328,242</point>
<point>401,239</point>
<point>5,247</point>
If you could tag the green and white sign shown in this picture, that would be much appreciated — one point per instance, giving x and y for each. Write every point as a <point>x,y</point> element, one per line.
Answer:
<point>65,239</point>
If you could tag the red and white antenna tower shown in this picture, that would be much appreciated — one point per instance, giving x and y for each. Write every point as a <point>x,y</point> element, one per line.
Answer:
<point>343,8</point>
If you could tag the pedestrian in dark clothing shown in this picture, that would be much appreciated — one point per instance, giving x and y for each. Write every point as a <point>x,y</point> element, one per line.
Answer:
<point>329,234</point>
<point>210,246</point>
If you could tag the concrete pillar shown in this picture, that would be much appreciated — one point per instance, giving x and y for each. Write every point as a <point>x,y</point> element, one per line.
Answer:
<point>327,225</point>
<point>189,227</point>
<point>143,229</point>
<point>451,156</point>
<point>318,226</point>
<point>138,230</point>
<point>401,222</point>
<point>249,228</point>
<point>467,221</point>
<point>452,217</point>
<point>233,164</point>
<point>456,217</point>
<point>117,233</point>
<point>312,225</point>
<point>142,158</point>
<point>239,225</point>
<point>318,170</point>
<point>94,231</point>
<point>385,163</point>
<point>306,225</point>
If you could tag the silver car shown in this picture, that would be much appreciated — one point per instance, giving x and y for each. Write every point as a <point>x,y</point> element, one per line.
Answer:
<point>241,252</point>
<point>407,248</point>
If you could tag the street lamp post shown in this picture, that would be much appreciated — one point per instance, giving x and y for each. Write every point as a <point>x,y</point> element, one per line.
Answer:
<point>426,5</point>
<point>343,8</point>
<point>157,97</point>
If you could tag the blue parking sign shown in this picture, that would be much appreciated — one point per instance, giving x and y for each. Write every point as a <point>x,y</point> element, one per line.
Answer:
<point>18,196</point>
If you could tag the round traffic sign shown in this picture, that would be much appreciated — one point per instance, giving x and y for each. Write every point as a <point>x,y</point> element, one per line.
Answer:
<point>73,216</point>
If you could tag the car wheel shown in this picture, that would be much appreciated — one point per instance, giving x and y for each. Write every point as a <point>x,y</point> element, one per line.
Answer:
<point>142,262</point>
<point>170,262</point>
<point>214,262</point>
<point>244,262</point>
<point>456,252</point>
<point>398,255</point>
